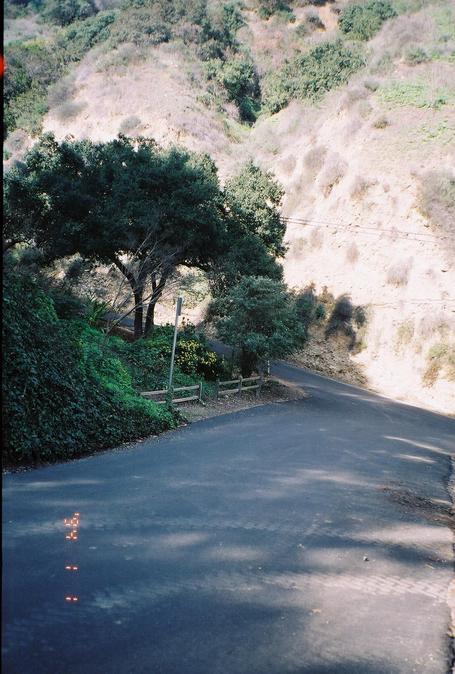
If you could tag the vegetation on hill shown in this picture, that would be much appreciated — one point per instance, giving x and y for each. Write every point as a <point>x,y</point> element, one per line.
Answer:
<point>309,76</point>
<point>203,31</point>
<point>68,390</point>
<point>362,20</point>
<point>145,211</point>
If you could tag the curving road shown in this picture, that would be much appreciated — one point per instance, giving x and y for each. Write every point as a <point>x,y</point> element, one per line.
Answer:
<point>308,537</point>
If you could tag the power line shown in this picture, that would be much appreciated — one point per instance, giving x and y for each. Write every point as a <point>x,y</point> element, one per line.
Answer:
<point>414,302</point>
<point>398,233</point>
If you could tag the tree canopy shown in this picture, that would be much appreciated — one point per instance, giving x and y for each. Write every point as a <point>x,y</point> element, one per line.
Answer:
<point>260,319</point>
<point>146,210</point>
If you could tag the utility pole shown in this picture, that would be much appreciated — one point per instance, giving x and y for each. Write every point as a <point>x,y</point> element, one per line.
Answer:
<point>178,311</point>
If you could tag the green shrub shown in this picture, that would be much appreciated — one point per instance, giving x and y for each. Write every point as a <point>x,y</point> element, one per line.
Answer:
<point>76,40</point>
<point>259,318</point>
<point>269,7</point>
<point>141,25</point>
<point>310,75</point>
<point>26,111</point>
<point>32,66</point>
<point>313,20</point>
<point>240,81</point>
<point>65,391</point>
<point>362,21</point>
<point>64,12</point>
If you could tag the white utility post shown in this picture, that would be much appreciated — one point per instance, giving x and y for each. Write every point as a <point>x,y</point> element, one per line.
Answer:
<point>178,311</point>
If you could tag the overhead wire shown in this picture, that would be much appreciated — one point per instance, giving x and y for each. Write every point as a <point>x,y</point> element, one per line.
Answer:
<point>393,232</point>
<point>403,234</point>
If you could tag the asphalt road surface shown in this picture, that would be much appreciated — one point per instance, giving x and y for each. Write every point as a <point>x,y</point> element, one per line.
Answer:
<point>307,537</point>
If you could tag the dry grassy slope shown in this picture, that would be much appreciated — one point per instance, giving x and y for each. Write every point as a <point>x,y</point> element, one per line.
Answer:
<point>375,172</point>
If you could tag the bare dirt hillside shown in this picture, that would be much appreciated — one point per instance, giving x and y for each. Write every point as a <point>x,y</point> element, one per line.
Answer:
<point>368,175</point>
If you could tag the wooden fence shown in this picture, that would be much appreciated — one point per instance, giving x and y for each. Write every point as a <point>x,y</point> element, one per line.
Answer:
<point>154,395</point>
<point>239,385</point>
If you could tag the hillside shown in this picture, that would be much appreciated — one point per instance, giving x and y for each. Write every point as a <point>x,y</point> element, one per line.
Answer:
<point>367,167</point>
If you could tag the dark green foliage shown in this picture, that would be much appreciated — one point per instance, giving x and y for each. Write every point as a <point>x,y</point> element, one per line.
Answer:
<point>64,12</point>
<point>156,21</point>
<point>65,392</point>
<point>66,304</point>
<point>239,79</point>
<point>255,230</point>
<point>310,75</point>
<point>361,21</point>
<point>34,65</point>
<point>142,24</point>
<point>259,318</point>
<point>254,197</point>
<point>148,359</point>
<point>162,207</point>
<point>269,7</point>
<point>31,67</point>
<point>76,40</point>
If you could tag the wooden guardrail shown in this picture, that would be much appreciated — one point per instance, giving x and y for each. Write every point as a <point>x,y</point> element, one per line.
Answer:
<point>239,385</point>
<point>252,384</point>
<point>151,395</point>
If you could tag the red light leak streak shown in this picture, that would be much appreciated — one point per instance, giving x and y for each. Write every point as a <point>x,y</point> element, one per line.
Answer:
<point>72,522</point>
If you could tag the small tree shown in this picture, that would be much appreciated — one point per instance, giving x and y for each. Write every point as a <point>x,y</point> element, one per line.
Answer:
<point>259,319</point>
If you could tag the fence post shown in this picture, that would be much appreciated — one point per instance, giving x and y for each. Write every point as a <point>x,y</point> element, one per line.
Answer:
<point>240,383</point>
<point>200,391</point>
<point>258,390</point>
<point>217,389</point>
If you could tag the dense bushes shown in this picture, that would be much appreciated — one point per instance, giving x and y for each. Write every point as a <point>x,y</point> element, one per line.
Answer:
<point>310,75</point>
<point>211,35</point>
<point>147,360</point>
<point>67,390</point>
<point>64,12</point>
<point>239,79</point>
<point>35,65</point>
<point>362,21</point>
<point>269,7</point>
<point>76,40</point>
<point>32,66</point>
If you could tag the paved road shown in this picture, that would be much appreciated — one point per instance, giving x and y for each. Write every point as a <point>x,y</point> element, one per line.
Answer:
<point>238,546</point>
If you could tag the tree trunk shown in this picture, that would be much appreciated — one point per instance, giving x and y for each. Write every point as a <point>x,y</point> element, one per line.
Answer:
<point>248,361</point>
<point>150,319</point>
<point>138,313</point>
<point>157,288</point>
